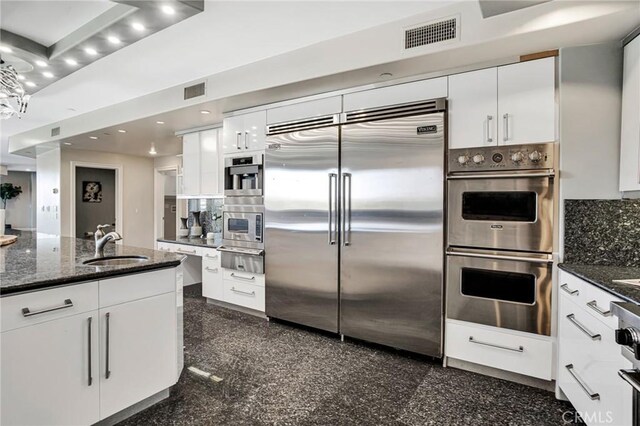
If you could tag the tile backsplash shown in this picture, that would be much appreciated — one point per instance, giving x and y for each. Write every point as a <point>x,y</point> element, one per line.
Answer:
<point>210,211</point>
<point>602,232</point>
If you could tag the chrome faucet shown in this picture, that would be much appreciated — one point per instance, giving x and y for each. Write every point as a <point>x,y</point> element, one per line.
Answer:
<point>102,239</point>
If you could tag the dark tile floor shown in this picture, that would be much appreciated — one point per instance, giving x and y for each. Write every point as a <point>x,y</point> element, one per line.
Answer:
<point>276,374</point>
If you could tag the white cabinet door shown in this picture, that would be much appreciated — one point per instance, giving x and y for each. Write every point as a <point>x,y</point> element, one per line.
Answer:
<point>630,134</point>
<point>473,108</point>
<point>191,164</point>
<point>254,137</point>
<point>212,275</point>
<point>233,134</point>
<point>138,351</point>
<point>45,373</point>
<point>526,102</point>
<point>210,163</point>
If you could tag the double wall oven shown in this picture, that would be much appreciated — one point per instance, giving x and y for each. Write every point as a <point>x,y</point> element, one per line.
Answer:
<point>500,218</point>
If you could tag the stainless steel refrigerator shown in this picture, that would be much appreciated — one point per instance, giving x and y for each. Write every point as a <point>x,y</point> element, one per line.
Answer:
<point>354,224</point>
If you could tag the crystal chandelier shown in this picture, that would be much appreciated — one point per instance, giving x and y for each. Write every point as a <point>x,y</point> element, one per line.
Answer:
<point>13,100</point>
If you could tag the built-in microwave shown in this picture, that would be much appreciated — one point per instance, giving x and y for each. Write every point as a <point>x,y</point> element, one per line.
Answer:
<point>243,225</point>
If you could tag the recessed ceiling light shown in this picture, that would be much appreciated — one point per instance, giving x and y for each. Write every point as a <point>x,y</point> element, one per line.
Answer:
<point>386,75</point>
<point>21,77</point>
<point>93,137</point>
<point>138,26</point>
<point>204,111</point>
<point>71,61</point>
<point>122,131</point>
<point>30,84</point>
<point>159,122</point>
<point>48,74</point>
<point>153,151</point>
<point>67,143</point>
<point>6,49</point>
<point>41,63</point>
<point>168,10</point>
<point>90,51</point>
<point>113,40</point>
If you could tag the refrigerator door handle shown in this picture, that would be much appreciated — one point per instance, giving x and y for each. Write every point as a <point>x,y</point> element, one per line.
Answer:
<point>346,209</point>
<point>333,203</point>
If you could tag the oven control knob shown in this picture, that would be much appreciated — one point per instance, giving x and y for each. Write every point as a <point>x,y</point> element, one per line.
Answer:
<point>478,158</point>
<point>463,159</point>
<point>517,157</point>
<point>535,156</point>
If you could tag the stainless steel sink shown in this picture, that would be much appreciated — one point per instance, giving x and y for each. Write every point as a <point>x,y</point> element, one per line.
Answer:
<point>632,281</point>
<point>115,260</point>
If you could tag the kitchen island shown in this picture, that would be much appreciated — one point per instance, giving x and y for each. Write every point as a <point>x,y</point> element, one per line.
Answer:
<point>80,343</point>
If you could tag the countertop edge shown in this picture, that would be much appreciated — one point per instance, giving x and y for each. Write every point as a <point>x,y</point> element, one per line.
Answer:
<point>568,268</point>
<point>189,243</point>
<point>88,277</point>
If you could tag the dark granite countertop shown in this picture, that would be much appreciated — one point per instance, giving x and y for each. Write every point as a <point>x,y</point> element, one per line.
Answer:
<point>603,276</point>
<point>198,242</point>
<point>38,261</point>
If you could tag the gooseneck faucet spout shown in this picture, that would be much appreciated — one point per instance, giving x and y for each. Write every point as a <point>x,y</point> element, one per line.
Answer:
<point>102,239</point>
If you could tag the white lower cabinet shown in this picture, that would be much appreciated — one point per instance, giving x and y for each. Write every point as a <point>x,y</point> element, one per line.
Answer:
<point>76,355</point>
<point>504,349</point>
<point>46,375</point>
<point>138,343</point>
<point>244,294</point>
<point>211,274</point>
<point>589,359</point>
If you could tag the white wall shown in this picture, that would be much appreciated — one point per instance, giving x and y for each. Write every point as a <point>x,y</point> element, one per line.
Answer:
<point>590,106</point>
<point>137,197</point>
<point>48,189</point>
<point>21,210</point>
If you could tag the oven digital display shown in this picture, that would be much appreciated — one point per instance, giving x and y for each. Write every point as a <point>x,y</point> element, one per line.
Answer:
<point>500,206</point>
<point>238,226</point>
<point>503,286</point>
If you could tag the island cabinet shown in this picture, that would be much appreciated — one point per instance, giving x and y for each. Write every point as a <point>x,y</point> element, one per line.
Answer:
<point>81,353</point>
<point>508,105</point>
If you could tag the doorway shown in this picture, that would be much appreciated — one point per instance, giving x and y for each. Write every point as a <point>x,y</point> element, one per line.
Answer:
<point>167,205</point>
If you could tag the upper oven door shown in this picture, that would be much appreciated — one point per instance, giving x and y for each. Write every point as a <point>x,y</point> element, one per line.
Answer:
<point>240,226</point>
<point>510,212</point>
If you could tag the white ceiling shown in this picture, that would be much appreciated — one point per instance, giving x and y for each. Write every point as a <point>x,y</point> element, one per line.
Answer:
<point>46,22</point>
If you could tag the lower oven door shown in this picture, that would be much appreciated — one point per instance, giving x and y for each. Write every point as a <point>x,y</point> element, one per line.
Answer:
<point>501,211</point>
<point>500,289</point>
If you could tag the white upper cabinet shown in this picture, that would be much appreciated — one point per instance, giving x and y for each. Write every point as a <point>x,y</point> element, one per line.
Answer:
<point>244,132</point>
<point>473,109</point>
<point>527,102</point>
<point>630,134</point>
<point>398,94</point>
<point>201,164</point>
<point>303,110</point>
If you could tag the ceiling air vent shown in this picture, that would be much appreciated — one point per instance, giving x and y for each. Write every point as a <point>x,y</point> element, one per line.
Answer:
<point>55,131</point>
<point>430,33</point>
<point>194,91</point>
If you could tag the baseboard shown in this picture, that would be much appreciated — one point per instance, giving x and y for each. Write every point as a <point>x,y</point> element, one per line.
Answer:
<point>237,308</point>
<point>134,409</point>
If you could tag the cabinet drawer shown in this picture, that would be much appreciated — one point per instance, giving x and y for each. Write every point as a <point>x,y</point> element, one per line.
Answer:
<point>47,305</point>
<point>598,303</point>
<point>243,294</point>
<point>572,287</point>
<point>186,249</point>
<point>243,277</point>
<point>212,277</point>
<point>499,348</point>
<point>163,246</point>
<point>137,286</point>
<point>210,256</point>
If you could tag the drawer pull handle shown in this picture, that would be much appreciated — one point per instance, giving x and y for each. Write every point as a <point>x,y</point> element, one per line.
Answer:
<point>89,321</point>
<point>211,257</point>
<point>186,251</point>
<point>107,371</point>
<point>507,348</point>
<point>585,330</point>
<point>213,270</point>
<point>566,288</point>
<point>583,385</point>
<point>242,278</point>
<point>631,377</point>
<point>248,293</point>
<point>594,305</point>
<point>26,312</point>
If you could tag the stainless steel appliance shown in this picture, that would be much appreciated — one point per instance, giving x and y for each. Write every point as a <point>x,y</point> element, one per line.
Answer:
<point>354,224</point>
<point>628,335</point>
<point>243,224</point>
<point>500,232</point>
<point>502,198</point>
<point>243,176</point>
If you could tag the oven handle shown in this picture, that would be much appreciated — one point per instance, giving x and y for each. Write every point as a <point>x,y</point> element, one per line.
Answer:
<point>500,257</point>
<point>547,174</point>
<point>631,377</point>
